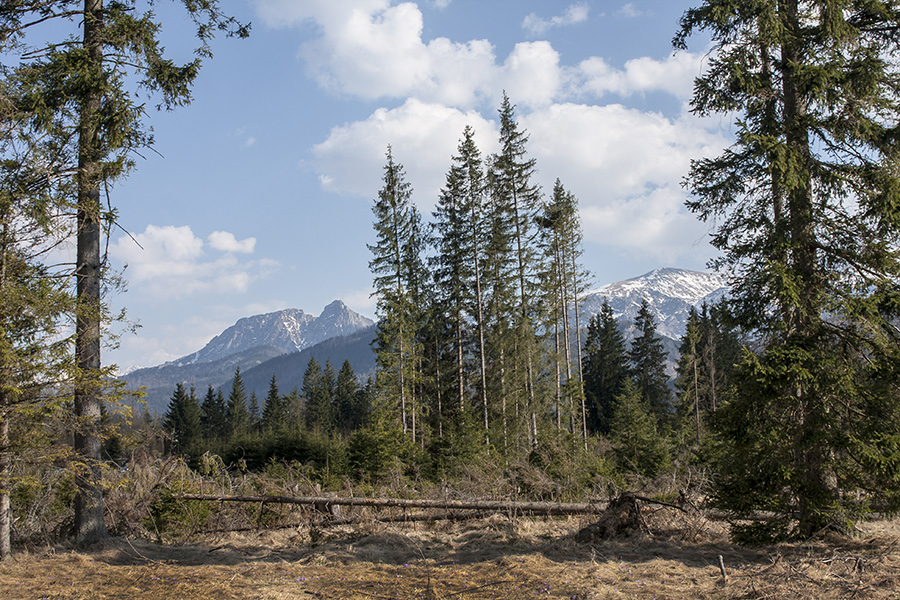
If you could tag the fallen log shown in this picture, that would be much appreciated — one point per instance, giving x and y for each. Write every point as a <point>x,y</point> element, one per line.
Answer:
<point>320,502</point>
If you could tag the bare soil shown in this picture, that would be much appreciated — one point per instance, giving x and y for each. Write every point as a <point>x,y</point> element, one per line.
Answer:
<point>497,557</point>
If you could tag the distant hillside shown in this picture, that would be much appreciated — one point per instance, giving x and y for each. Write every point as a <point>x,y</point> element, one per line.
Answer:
<point>289,368</point>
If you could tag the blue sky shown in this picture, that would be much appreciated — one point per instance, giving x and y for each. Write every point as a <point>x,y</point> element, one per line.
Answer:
<point>258,195</point>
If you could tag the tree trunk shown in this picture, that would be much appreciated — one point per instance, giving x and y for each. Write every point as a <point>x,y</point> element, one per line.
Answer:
<point>5,464</point>
<point>89,522</point>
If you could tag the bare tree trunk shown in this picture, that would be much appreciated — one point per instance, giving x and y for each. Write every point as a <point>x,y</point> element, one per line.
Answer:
<point>5,465</point>
<point>89,513</point>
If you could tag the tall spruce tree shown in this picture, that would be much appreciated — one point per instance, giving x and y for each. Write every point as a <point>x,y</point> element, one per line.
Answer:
<point>806,210</point>
<point>82,89</point>
<point>515,200</point>
<point>394,247</point>
<point>458,264</point>
<point>564,281</point>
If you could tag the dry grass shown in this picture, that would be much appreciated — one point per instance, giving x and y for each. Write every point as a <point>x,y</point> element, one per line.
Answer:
<point>495,558</point>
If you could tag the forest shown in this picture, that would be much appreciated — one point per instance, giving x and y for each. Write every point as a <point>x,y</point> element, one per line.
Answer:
<point>786,396</point>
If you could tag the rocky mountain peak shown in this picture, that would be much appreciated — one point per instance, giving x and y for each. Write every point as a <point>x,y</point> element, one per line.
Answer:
<point>290,330</point>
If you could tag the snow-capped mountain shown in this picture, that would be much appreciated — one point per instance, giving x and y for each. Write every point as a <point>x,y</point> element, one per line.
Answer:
<point>290,330</point>
<point>669,292</point>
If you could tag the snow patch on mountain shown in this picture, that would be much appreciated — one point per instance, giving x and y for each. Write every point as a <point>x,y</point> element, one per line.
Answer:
<point>670,294</point>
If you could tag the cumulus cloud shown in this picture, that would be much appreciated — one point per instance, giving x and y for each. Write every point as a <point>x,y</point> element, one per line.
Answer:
<point>424,137</point>
<point>575,13</point>
<point>172,262</point>
<point>372,49</point>
<point>625,166</point>
<point>225,241</point>
<point>673,75</point>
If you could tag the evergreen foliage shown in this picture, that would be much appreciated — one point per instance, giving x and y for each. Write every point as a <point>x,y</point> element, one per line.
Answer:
<point>647,359</point>
<point>806,212</point>
<point>605,367</point>
<point>238,414</point>
<point>637,444</point>
<point>183,421</point>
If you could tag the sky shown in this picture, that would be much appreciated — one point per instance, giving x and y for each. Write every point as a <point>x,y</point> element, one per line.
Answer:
<point>257,196</point>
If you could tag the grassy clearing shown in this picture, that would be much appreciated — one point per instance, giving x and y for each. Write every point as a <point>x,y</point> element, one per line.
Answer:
<point>495,558</point>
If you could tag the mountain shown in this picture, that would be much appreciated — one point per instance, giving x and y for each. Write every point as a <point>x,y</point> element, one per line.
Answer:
<point>290,330</point>
<point>159,382</point>
<point>669,292</point>
<point>289,368</point>
<point>248,343</point>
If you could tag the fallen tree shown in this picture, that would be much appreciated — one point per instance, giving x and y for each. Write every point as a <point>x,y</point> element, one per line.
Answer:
<point>324,503</point>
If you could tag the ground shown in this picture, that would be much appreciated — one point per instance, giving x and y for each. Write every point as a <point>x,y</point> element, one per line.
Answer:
<point>496,557</point>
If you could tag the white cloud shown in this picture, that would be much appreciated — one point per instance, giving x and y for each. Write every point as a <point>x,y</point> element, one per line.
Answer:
<point>531,74</point>
<point>575,13</point>
<point>630,11</point>
<point>225,241</point>
<point>625,166</point>
<point>673,75</point>
<point>424,138</point>
<point>372,49</point>
<point>171,262</point>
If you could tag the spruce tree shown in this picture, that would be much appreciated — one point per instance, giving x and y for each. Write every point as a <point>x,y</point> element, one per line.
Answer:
<point>457,266</point>
<point>637,444</point>
<point>348,400</point>
<point>564,281</point>
<point>515,200</point>
<point>214,415</point>
<point>273,409</point>
<point>394,248</point>
<point>82,90</point>
<point>183,420</point>
<point>236,409</point>
<point>317,394</point>
<point>605,368</point>
<point>647,359</point>
<point>807,220</point>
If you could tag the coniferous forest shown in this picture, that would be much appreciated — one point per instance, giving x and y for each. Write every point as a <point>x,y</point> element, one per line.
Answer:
<point>785,399</point>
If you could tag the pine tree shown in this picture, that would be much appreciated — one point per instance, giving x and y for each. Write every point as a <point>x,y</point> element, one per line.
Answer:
<point>806,213</point>
<point>605,368</point>
<point>81,90</point>
<point>648,364</point>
